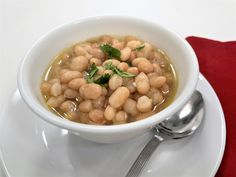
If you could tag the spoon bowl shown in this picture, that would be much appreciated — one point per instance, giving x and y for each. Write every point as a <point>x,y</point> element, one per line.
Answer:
<point>186,121</point>
<point>182,124</point>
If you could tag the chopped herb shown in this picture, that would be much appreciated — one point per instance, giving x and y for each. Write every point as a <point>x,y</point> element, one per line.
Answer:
<point>118,71</point>
<point>92,71</point>
<point>140,47</point>
<point>89,80</point>
<point>103,79</point>
<point>123,73</point>
<point>110,51</point>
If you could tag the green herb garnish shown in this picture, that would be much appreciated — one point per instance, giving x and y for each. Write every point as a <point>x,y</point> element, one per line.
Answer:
<point>103,79</point>
<point>92,71</point>
<point>118,71</point>
<point>140,47</point>
<point>123,73</point>
<point>110,51</point>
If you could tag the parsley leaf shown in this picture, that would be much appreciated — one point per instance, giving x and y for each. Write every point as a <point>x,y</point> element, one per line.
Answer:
<point>140,47</point>
<point>103,79</point>
<point>118,71</point>
<point>123,73</point>
<point>110,51</point>
<point>92,71</point>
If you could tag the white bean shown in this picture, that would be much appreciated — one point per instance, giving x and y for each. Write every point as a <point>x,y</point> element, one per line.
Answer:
<point>56,89</point>
<point>86,106</point>
<point>97,53</point>
<point>86,46</point>
<point>118,97</point>
<point>130,107</point>
<point>118,45</point>
<point>125,54</point>
<point>79,63</point>
<point>146,51</point>
<point>69,75</point>
<point>77,83</point>
<point>70,93</point>
<point>55,101</point>
<point>145,66</point>
<point>120,117</point>
<point>157,81</point>
<point>96,115</point>
<point>144,104</point>
<point>156,96</point>
<point>109,112</point>
<point>133,70</point>
<point>83,117</point>
<point>45,88</point>
<point>90,91</point>
<point>68,106</point>
<point>99,102</point>
<point>136,61</point>
<point>142,83</point>
<point>115,82</point>
<point>80,51</point>
<point>133,44</point>
<point>123,66</point>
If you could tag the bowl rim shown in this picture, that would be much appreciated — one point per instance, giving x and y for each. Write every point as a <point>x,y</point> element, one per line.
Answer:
<point>149,122</point>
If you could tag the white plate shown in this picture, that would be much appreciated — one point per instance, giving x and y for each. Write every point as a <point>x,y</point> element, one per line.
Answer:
<point>31,147</point>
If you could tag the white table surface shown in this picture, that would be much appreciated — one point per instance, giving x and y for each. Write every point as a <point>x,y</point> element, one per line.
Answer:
<point>23,21</point>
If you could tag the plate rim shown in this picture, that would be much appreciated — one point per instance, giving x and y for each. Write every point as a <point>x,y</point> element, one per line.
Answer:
<point>223,128</point>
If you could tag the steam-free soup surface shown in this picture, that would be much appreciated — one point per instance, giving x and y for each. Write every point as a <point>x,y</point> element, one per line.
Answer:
<point>109,80</point>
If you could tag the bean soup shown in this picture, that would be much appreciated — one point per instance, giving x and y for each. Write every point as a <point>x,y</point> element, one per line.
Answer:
<point>109,80</point>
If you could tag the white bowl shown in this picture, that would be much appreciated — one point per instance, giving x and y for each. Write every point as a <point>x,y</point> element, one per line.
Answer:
<point>38,57</point>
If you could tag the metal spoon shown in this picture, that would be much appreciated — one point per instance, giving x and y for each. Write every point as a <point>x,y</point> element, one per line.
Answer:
<point>182,124</point>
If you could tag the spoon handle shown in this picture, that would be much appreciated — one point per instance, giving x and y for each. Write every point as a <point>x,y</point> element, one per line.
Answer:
<point>144,156</point>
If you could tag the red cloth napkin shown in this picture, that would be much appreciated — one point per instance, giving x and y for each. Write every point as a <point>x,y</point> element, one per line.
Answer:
<point>217,61</point>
